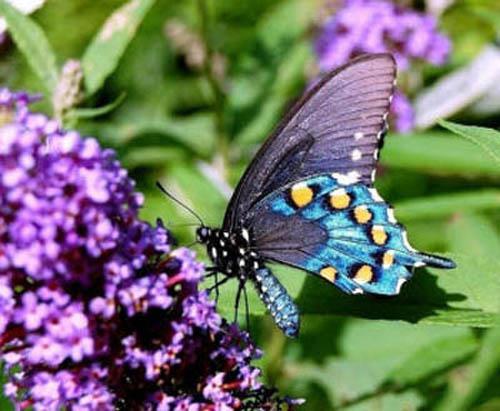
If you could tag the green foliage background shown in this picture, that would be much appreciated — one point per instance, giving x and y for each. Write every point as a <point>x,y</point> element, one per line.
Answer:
<point>433,347</point>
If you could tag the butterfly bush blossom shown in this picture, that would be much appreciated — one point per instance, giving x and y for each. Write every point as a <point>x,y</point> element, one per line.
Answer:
<point>375,26</point>
<point>98,310</point>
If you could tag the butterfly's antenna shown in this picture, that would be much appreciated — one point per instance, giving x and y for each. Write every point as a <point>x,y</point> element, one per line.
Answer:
<point>182,225</point>
<point>191,244</point>
<point>184,206</point>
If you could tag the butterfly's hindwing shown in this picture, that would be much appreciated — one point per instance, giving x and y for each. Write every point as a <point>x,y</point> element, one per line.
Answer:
<point>363,248</point>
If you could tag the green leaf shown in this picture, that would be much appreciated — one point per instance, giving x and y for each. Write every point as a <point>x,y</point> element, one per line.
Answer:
<point>475,243</point>
<point>359,359</point>
<point>438,154</point>
<point>421,302</point>
<point>104,52</point>
<point>440,206</point>
<point>433,358</point>
<point>32,42</point>
<point>97,111</point>
<point>483,369</point>
<point>486,138</point>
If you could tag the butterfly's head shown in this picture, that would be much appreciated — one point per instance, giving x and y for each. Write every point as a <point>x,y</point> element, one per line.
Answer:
<point>203,234</point>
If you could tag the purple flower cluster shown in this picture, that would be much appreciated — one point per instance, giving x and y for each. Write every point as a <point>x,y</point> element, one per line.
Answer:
<point>375,26</point>
<point>97,311</point>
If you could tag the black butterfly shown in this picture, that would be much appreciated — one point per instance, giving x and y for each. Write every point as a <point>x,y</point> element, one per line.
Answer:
<point>307,201</point>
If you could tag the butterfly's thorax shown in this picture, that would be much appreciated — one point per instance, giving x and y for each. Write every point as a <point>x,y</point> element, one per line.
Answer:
<point>231,252</point>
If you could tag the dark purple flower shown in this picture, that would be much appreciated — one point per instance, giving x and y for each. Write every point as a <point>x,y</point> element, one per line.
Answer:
<point>97,311</point>
<point>375,26</point>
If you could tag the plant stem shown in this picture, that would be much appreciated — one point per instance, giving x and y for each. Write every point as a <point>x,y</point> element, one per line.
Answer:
<point>221,158</point>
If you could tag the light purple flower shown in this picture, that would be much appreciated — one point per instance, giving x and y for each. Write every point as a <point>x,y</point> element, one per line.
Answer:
<point>402,112</point>
<point>375,26</point>
<point>97,312</point>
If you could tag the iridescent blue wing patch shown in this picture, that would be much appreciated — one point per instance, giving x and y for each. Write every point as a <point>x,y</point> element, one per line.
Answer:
<point>347,234</point>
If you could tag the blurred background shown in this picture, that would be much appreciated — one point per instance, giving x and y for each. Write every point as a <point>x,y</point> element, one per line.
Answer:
<point>192,88</point>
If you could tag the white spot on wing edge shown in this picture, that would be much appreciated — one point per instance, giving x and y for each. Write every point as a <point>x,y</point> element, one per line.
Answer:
<point>400,283</point>
<point>300,184</point>
<point>356,155</point>
<point>338,192</point>
<point>375,195</point>
<point>406,243</point>
<point>374,172</point>
<point>357,291</point>
<point>390,216</point>
<point>352,177</point>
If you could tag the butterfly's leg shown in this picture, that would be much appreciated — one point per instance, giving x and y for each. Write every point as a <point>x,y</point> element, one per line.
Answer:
<point>241,285</point>
<point>210,272</point>
<point>217,284</point>
<point>214,272</point>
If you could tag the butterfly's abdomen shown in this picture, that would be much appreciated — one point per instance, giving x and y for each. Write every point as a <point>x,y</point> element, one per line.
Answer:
<point>278,302</point>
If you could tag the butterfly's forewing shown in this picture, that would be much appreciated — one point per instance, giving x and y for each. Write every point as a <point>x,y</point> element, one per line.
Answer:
<point>336,127</point>
<point>343,232</point>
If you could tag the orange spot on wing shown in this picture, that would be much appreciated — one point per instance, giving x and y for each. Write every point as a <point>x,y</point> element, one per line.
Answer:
<point>379,235</point>
<point>388,259</point>
<point>339,199</point>
<point>301,195</point>
<point>362,214</point>
<point>364,274</point>
<point>328,273</point>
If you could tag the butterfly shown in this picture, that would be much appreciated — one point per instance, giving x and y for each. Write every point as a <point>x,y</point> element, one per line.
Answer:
<point>307,199</point>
